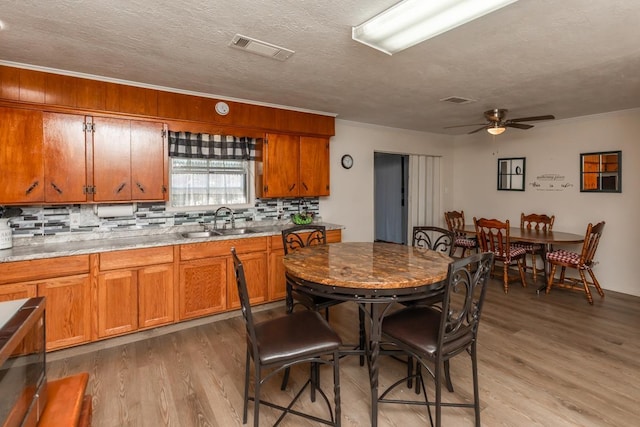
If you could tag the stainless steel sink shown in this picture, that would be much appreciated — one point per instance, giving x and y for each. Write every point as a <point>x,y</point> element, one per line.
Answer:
<point>219,232</point>
<point>200,234</point>
<point>234,231</point>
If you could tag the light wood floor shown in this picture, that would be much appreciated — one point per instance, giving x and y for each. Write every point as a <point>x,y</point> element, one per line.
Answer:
<point>551,360</point>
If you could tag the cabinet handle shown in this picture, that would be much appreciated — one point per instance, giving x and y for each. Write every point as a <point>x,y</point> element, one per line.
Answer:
<point>140,187</point>
<point>32,187</point>
<point>292,187</point>
<point>55,187</point>
<point>305,186</point>
<point>119,189</point>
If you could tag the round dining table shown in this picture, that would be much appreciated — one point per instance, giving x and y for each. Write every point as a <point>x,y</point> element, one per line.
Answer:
<point>373,274</point>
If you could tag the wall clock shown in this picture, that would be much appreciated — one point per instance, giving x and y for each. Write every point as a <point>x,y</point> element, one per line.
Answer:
<point>222,108</point>
<point>347,161</point>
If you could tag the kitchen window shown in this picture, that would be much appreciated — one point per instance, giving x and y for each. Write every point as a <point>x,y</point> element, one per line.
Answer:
<point>207,182</point>
<point>210,170</point>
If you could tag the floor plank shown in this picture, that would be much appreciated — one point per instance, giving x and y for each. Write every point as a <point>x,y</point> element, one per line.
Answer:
<point>548,360</point>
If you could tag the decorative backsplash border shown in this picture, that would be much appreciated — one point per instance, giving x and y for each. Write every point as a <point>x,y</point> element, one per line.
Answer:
<point>54,220</point>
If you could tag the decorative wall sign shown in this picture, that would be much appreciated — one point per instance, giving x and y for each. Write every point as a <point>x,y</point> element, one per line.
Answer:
<point>550,182</point>
<point>511,173</point>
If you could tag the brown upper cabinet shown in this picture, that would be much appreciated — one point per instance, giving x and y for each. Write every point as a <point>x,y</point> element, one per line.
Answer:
<point>293,166</point>
<point>21,156</point>
<point>72,158</point>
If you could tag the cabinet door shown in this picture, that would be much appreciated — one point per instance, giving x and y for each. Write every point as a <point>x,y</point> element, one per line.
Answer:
<point>111,159</point>
<point>155,295</point>
<point>21,156</point>
<point>203,287</point>
<point>68,310</point>
<point>65,158</point>
<point>314,166</point>
<point>277,283</point>
<point>117,302</point>
<point>280,168</point>
<point>17,291</point>
<point>256,274</point>
<point>147,161</point>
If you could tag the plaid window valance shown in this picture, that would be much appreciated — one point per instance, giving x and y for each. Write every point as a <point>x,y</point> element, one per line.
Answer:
<point>205,146</point>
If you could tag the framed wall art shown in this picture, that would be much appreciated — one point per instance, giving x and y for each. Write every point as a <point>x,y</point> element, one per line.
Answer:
<point>511,173</point>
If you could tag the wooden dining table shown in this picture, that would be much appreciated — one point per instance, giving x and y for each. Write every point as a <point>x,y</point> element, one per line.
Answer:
<point>376,276</point>
<point>544,238</point>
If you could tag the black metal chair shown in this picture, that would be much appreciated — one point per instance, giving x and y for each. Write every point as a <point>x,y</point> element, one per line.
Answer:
<point>434,238</point>
<point>280,343</point>
<point>300,236</point>
<point>296,237</point>
<point>433,335</point>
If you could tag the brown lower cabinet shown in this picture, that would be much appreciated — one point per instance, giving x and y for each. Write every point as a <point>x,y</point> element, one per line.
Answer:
<point>65,283</point>
<point>92,297</point>
<point>207,280</point>
<point>134,290</point>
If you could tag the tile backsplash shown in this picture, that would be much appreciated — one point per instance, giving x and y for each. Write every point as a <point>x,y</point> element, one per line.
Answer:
<point>54,220</point>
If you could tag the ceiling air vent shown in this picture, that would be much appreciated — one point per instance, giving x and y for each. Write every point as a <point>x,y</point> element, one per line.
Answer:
<point>260,48</point>
<point>457,100</point>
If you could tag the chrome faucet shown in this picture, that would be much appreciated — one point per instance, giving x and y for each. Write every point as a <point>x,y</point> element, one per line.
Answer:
<point>233,217</point>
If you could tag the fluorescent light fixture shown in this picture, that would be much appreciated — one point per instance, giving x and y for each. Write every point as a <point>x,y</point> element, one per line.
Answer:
<point>496,129</point>
<point>413,21</point>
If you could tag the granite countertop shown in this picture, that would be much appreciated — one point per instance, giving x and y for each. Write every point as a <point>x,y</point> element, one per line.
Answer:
<point>88,243</point>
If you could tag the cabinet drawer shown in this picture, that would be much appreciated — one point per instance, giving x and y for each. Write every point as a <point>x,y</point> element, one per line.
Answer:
<point>22,271</point>
<point>222,248</point>
<point>136,258</point>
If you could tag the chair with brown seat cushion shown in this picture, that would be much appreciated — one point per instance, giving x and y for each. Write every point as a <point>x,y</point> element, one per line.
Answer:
<point>455,223</point>
<point>279,343</point>
<point>538,222</point>
<point>493,236</point>
<point>434,238</point>
<point>582,262</point>
<point>300,236</point>
<point>434,335</point>
<point>441,240</point>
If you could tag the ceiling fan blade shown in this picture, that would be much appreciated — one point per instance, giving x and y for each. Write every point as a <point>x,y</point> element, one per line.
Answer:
<point>477,130</point>
<point>461,126</point>
<point>518,125</point>
<point>531,119</point>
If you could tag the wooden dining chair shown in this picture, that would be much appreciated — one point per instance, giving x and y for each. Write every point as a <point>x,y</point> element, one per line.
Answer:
<point>455,223</point>
<point>280,343</point>
<point>538,222</point>
<point>582,262</point>
<point>434,335</point>
<point>493,236</point>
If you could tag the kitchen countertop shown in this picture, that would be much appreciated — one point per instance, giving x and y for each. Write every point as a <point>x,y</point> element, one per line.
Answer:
<point>88,243</point>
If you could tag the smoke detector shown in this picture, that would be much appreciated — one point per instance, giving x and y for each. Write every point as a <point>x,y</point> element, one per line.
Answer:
<point>260,47</point>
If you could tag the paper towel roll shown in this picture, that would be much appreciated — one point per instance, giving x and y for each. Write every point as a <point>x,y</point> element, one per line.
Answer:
<point>108,211</point>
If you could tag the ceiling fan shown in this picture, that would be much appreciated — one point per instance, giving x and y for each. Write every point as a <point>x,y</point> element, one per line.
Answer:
<point>496,123</point>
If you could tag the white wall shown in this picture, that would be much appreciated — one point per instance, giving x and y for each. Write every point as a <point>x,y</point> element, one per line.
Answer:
<point>554,148</point>
<point>352,191</point>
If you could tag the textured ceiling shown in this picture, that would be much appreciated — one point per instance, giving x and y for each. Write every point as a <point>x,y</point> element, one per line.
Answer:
<point>568,58</point>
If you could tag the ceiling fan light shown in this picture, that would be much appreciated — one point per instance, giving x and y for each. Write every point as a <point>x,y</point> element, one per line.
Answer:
<point>496,130</point>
